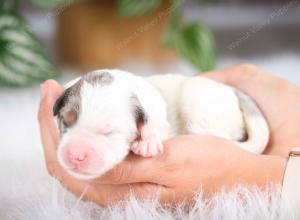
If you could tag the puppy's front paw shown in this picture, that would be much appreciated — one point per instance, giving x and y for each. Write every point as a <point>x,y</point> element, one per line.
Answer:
<point>149,144</point>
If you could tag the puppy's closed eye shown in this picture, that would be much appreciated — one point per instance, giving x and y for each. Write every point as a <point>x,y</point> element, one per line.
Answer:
<point>105,129</point>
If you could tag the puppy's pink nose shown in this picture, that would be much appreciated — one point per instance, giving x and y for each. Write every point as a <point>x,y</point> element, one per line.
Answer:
<point>77,156</point>
<point>79,152</point>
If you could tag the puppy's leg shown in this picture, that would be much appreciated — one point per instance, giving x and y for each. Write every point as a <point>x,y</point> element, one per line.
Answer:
<point>149,142</point>
<point>152,128</point>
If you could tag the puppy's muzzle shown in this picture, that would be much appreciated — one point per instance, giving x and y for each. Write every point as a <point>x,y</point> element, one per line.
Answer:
<point>81,154</point>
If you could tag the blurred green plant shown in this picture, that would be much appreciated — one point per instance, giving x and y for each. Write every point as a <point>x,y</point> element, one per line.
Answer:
<point>52,3</point>
<point>193,41</point>
<point>128,8</point>
<point>22,57</point>
<point>23,60</point>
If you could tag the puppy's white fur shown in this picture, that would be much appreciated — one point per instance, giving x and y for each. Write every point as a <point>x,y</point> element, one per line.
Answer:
<point>173,104</point>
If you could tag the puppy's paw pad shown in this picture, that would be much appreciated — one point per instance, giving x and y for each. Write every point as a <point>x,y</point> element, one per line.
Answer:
<point>148,145</point>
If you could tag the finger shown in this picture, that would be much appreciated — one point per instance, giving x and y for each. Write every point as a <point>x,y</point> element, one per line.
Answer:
<point>140,169</point>
<point>255,82</point>
<point>235,74</point>
<point>133,169</point>
<point>246,77</point>
<point>113,194</point>
<point>108,195</point>
<point>50,91</point>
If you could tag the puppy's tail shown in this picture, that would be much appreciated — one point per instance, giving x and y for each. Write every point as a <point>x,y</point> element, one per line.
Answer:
<point>255,123</point>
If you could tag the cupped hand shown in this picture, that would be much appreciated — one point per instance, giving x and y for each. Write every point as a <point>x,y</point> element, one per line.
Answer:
<point>278,99</point>
<point>189,163</point>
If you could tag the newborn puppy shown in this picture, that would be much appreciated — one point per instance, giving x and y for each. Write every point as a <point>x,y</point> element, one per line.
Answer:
<point>107,113</point>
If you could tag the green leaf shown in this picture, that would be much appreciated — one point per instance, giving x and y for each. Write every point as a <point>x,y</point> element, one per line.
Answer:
<point>174,24</point>
<point>195,43</point>
<point>128,8</point>
<point>9,5</point>
<point>52,3</point>
<point>210,1</point>
<point>22,58</point>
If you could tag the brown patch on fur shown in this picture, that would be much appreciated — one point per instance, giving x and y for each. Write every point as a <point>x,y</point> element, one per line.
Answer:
<point>95,78</point>
<point>67,107</point>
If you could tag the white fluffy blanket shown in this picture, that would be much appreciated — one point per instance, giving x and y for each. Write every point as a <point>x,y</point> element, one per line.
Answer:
<point>51,201</point>
<point>27,192</point>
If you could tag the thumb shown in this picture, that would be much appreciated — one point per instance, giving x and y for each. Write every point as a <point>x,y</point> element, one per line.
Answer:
<point>50,91</point>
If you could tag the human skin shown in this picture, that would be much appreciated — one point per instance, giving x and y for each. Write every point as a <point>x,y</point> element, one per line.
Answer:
<point>191,162</point>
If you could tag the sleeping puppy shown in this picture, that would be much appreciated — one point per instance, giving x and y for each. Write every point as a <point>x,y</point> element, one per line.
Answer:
<point>105,114</point>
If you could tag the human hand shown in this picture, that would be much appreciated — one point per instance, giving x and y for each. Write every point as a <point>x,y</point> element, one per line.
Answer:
<point>188,164</point>
<point>278,99</point>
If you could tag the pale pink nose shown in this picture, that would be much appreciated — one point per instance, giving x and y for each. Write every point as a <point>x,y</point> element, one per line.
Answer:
<point>77,156</point>
<point>79,152</point>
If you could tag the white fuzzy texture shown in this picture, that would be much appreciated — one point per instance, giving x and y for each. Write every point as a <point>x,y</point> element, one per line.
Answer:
<point>198,105</point>
<point>51,201</point>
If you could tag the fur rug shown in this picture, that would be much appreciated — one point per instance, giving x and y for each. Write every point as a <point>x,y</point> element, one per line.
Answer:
<point>27,192</point>
<point>51,201</point>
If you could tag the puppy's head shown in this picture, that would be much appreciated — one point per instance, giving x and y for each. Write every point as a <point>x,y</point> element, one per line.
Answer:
<point>97,117</point>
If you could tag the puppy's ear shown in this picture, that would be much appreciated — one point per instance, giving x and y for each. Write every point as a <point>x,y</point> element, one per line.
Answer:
<point>72,91</point>
<point>139,112</point>
<point>140,115</point>
<point>60,103</point>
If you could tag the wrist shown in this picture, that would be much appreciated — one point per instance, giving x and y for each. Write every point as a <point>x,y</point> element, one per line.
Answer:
<point>273,169</point>
<point>264,170</point>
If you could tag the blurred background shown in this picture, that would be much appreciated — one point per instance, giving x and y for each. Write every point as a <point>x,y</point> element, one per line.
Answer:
<point>41,39</point>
